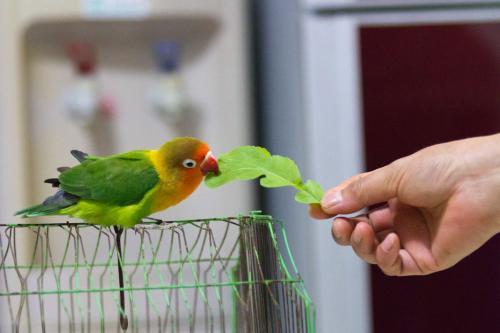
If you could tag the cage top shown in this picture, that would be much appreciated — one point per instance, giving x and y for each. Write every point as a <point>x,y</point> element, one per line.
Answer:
<point>255,216</point>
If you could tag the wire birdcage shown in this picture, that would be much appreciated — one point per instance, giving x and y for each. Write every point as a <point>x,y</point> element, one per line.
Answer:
<point>211,275</point>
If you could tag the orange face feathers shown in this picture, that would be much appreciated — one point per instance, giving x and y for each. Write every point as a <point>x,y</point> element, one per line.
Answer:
<point>181,164</point>
<point>188,155</point>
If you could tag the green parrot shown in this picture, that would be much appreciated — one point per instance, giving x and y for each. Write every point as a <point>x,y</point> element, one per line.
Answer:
<point>122,189</point>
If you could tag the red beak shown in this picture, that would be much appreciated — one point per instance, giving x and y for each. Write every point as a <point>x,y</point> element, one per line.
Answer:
<point>209,164</point>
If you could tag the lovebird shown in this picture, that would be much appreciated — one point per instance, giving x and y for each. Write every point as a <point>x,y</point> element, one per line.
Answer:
<point>122,189</point>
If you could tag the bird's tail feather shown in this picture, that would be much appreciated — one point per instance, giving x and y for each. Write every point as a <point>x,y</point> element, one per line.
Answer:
<point>51,205</point>
<point>38,210</point>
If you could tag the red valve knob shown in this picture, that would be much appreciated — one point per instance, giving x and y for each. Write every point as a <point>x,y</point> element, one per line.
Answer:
<point>83,57</point>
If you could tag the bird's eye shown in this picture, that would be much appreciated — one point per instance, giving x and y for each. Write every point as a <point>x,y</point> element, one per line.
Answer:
<point>189,163</point>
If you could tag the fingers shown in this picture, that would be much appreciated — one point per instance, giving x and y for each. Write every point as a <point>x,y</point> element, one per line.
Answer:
<point>373,239</point>
<point>359,233</point>
<point>316,212</point>
<point>387,255</point>
<point>393,260</point>
<point>342,229</point>
<point>413,231</point>
<point>361,236</point>
<point>382,219</point>
<point>363,190</point>
<point>364,242</point>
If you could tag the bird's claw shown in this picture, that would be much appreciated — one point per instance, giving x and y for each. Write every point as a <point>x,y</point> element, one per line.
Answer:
<point>153,219</point>
<point>150,226</point>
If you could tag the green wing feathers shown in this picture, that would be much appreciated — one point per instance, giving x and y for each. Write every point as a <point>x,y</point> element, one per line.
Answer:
<point>120,180</point>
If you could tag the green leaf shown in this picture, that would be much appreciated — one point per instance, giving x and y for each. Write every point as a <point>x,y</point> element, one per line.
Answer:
<point>311,193</point>
<point>250,162</point>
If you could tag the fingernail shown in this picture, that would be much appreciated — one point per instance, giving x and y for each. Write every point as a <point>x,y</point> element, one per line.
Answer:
<point>388,244</point>
<point>357,238</point>
<point>336,234</point>
<point>331,199</point>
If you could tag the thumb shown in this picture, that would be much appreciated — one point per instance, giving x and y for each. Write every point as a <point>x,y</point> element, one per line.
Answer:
<point>362,191</point>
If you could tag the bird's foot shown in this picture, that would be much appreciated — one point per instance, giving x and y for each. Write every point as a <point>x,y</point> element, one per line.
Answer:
<point>149,219</point>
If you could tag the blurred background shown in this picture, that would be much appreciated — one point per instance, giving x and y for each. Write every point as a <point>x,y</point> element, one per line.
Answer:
<point>340,86</point>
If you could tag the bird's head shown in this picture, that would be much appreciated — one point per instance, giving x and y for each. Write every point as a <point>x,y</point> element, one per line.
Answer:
<point>189,157</point>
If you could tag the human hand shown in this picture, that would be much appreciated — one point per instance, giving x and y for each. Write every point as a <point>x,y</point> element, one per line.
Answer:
<point>443,203</point>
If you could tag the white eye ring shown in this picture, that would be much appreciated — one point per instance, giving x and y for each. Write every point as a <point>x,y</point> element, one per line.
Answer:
<point>189,163</point>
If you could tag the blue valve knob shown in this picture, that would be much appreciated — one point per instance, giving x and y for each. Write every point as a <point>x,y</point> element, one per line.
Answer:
<point>167,54</point>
